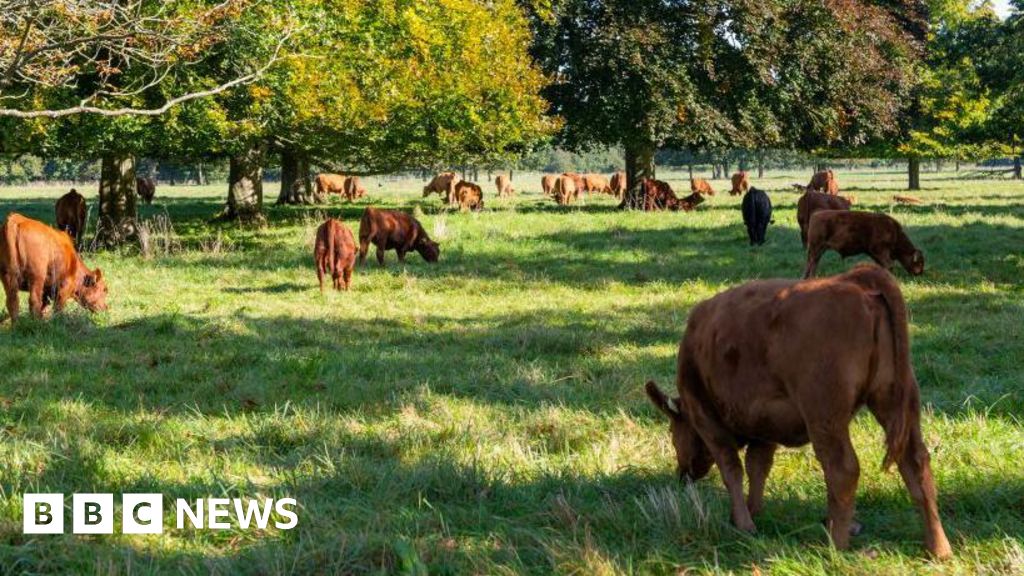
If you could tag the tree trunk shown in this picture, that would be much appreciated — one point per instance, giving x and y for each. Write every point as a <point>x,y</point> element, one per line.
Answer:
<point>296,187</point>
<point>118,200</point>
<point>1016,167</point>
<point>639,165</point>
<point>245,186</point>
<point>689,166</point>
<point>760,166</point>
<point>200,175</point>
<point>914,173</point>
<point>725,169</point>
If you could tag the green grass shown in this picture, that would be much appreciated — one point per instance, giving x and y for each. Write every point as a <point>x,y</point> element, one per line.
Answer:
<point>486,414</point>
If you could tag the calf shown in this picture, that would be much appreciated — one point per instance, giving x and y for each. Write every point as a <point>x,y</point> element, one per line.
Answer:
<point>547,184</point>
<point>70,212</point>
<point>146,187</point>
<point>740,183</point>
<point>618,184</point>
<point>394,230</point>
<point>789,362</point>
<point>353,188</point>
<point>812,202</point>
<point>757,214</point>
<point>334,252</point>
<point>329,184</point>
<point>596,184</point>
<point>565,190</point>
<point>443,185</point>
<point>878,235</point>
<point>469,196</point>
<point>43,262</point>
<point>824,181</point>
<point>504,185</point>
<point>701,186</point>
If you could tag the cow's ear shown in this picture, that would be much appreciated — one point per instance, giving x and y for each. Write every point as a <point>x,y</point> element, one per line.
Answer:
<point>661,401</point>
<point>98,274</point>
<point>89,281</point>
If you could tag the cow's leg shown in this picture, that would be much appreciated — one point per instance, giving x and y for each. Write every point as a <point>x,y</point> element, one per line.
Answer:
<point>834,450</point>
<point>883,259</point>
<point>380,253</point>
<point>364,247</point>
<point>320,273</point>
<point>11,291</point>
<point>813,256</point>
<point>728,461</point>
<point>915,468</point>
<point>759,458</point>
<point>35,297</point>
<point>347,275</point>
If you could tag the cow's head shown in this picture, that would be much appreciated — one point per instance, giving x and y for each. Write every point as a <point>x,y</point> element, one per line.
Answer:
<point>92,293</point>
<point>428,249</point>
<point>693,460</point>
<point>913,262</point>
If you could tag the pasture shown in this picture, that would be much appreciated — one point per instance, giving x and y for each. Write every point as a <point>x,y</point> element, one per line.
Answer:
<point>486,414</point>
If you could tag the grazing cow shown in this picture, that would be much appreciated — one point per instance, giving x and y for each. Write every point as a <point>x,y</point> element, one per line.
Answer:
<point>504,185</point>
<point>757,214</point>
<point>565,190</point>
<point>579,181</point>
<point>596,184</point>
<point>740,183</point>
<point>353,188</point>
<point>789,362</point>
<point>658,195</point>
<point>547,184</point>
<point>394,230</point>
<point>824,181</point>
<point>43,261</point>
<point>70,211</point>
<point>618,184</point>
<point>701,186</point>
<point>146,187</point>
<point>878,235</point>
<point>469,196</point>
<point>329,184</point>
<point>334,252</point>
<point>812,202</point>
<point>444,185</point>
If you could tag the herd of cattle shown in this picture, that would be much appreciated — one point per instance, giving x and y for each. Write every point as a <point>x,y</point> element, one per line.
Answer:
<point>767,363</point>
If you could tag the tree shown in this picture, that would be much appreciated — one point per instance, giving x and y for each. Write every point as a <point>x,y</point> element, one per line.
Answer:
<point>647,73</point>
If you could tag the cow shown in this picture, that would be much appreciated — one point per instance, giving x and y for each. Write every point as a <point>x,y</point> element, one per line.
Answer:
<point>757,214</point>
<point>810,203</point>
<point>824,181</point>
<point>353,188</point>
<point>689,203</point>
<point>146,188</point>
<point>701,186</point>
<point>789,362</point>
<point>879,236</point>
<point>42,261</point>
<point>504,185</point>
<point>596,184</point>
<point>578,181</point>
<point>443,185</point>
<point>469,196</point>
<point>394,230</point>
<point>334,252</point>
<point>618,184</point>
<point>658,195</point>
<point>70,212</point>
<point>329,184</point>
<point>547,184</point>
<point>565,190</point>
<point>740,183</point>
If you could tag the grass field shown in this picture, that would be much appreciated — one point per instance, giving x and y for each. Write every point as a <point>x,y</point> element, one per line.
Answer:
<point>486,414</point>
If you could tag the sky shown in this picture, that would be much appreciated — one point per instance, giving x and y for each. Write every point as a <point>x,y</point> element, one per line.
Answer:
<point>1002,7</point>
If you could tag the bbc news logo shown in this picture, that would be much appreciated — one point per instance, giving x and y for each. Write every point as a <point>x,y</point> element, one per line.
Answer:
<point>144,514</point>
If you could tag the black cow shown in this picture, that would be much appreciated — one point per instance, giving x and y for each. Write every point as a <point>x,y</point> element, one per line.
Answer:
<point>757,214</point>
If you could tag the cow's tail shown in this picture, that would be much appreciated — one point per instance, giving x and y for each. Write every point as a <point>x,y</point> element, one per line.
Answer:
<point>330,247</point>
<point>897,429</point>
<point>11,244</point>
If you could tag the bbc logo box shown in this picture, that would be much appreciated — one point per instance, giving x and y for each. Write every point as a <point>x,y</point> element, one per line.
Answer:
<point>93,514</point>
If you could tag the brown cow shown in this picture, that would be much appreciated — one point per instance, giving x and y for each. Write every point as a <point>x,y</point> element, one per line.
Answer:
<point>689,203</point>
<point>878,235</point>
<point>565,190</point>
<point>658,195</point>
<point>547,184</point>
<point>469,196</point>
<point>812,202</point>
<point>391,229</point>
<point>70,211</point>
<point>329,184</point>
<point>443,185</point>
<point>43,261</point>
<point>577,179</point>
<point>701,186</point>
<point>740,183</point>
<point>618,184</point>
<point>789,362</point>
<point>353,188</point>
<point>334,252</point>
<point>824,181</point>
<point>504,185</point>
<point>146,187</point>
<point>596,184</point>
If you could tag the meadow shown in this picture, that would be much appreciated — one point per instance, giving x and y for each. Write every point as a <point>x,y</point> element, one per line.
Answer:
<point>486,415</point>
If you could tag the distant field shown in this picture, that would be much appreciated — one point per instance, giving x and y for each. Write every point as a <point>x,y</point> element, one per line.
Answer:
<point>486,415</point>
